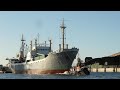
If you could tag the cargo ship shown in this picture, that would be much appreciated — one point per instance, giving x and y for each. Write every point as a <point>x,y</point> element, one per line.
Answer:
<point>40,59</point>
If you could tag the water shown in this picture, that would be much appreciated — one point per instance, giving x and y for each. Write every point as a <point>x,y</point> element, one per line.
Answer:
<point>93,75</point>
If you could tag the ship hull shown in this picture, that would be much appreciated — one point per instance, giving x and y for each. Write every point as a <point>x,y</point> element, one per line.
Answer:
<point>52,64</point>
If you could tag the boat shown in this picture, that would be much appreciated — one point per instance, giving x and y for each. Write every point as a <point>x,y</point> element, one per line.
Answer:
<point>42,60</point>
<point>6,69</point>
<point>79,69</point>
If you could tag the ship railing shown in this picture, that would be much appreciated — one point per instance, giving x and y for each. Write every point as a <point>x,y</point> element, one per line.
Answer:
<point>57,51</point>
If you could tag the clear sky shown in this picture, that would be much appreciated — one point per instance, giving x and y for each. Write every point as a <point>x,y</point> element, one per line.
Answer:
<point>95,33</point>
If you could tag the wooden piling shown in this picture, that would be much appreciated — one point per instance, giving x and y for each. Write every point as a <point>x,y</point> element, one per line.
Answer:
<point>116,68</point>
<point>104,68</point>
<point>113,68</point>
<point>96,69</point>
<point>90,68</point>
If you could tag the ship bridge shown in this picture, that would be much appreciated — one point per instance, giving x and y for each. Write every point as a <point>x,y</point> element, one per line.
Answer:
<point>43,50</point>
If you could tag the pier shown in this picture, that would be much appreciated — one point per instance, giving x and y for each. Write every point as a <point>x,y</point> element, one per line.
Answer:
<point>103,64</point>
<point>105,70</point>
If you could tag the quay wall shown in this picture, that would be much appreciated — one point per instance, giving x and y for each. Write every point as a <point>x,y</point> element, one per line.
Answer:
<point>103,70</point>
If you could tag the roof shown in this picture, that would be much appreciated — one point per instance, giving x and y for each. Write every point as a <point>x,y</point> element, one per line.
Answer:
<point>116,54</point>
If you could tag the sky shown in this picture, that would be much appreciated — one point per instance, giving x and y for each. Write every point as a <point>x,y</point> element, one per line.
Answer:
<point>95,33</point>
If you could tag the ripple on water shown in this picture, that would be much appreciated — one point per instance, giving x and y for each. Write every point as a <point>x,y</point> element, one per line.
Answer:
<point>93,75</point>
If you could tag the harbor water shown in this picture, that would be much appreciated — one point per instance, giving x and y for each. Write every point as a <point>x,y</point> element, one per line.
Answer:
<point>93,75</point>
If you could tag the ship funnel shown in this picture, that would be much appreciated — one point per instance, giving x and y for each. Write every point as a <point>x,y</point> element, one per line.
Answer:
<point>66,46</point>
<point>45,43</point>
<point>59,47</point>
<point>50,44</point>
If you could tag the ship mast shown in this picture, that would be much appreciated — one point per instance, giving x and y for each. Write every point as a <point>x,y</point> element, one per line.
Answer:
<point>36,45</point>
<point>63,33</point>
<point>22,49</point>
<point>38,39</point>
<point>31,46</point>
